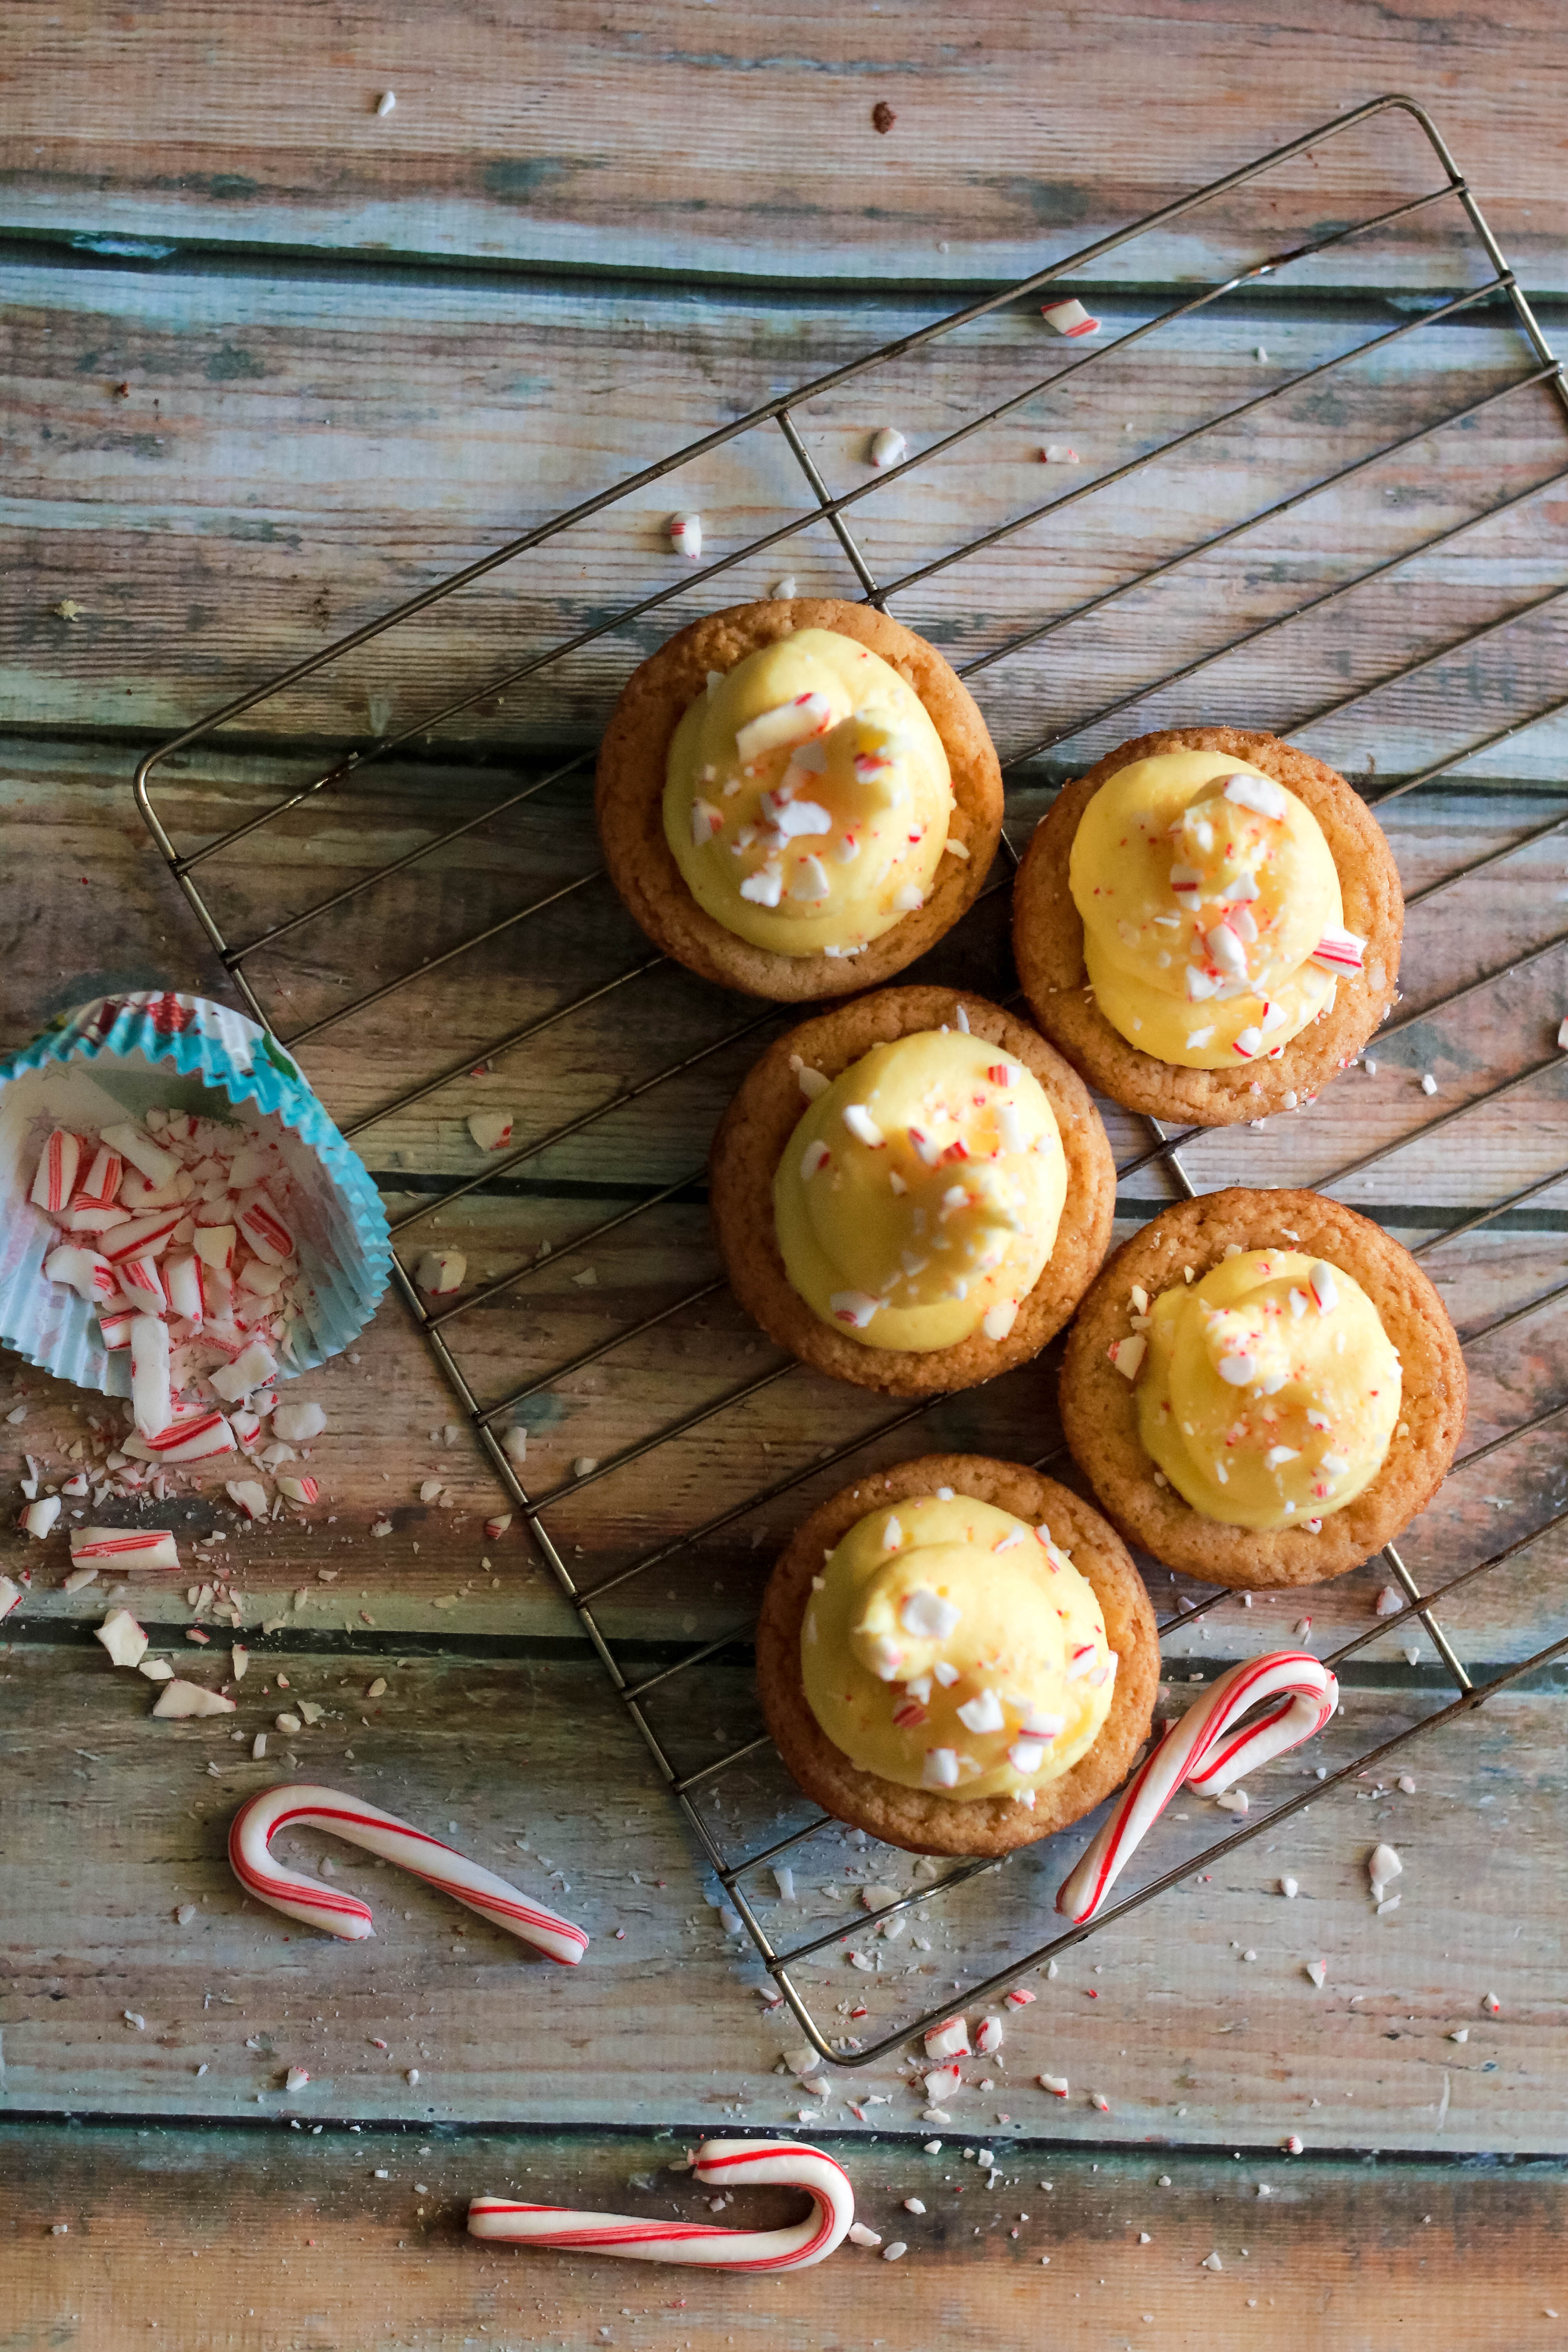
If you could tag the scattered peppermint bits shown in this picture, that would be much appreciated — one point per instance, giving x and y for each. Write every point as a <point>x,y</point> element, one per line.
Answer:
<point>686,535</point>
<point>888,448</point>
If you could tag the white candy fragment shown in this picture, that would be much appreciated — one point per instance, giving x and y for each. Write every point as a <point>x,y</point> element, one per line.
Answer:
<point>989,2036</point>
<point>386,102</point>
<point>122,1637</point>
<point>182,1698</point>
<point>1069,319</point>
<point>264,1229</point>
<point>250,1496</point>
<point>1317,1970</point>
<point>1127,1355</point>
<point>887,446</point>
<point>125,1546</point>
<point>1389,1601</point>
<point>251,1368</point>
<point>948,2040</point>
<point>863,1126</point>
<point>787,723</point>
<point>157,1670</point>
<point>151,1398</point>
<point>491,1129</point>
<point>90,1277</point>
<point>855,1307</point>
<point>214,1244</point>
<point>983,1713</point>
<point>942,2083</point>
<point>39,1517</point>
<point>859,2235</point>
<point>10,1596</point>
<point>1340,950</point>
<point>158,1166</point>
<point>1289,1889</point>
<point>998,1320</point>
<point>192,1438</point>
<point>55,1177</point>
<point>1261,795</point>
<point>1383,1867</point>
<point>1057,2084</point>
<point>686,535</point>
<point>298,1424</point>
<point>927,1615</point>
<point>296,2078</point>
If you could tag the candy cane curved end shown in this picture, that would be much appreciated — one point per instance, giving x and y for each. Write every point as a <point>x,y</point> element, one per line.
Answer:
<point>1205,1750</point>
<point>303,1803</point>
<point>725,2163</point>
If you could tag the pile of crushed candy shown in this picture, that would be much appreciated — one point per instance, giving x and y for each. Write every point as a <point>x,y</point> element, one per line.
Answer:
<point>171,1228</point>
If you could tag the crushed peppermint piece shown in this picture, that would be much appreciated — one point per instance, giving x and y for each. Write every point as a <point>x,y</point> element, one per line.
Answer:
<point>1069,319</point>
<point>887,446</point>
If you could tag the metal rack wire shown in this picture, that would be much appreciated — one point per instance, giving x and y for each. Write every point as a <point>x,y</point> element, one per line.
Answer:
<point>443,1326</point>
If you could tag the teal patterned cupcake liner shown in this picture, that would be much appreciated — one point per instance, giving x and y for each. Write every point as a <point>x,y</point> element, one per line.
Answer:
<point>116,1059</point>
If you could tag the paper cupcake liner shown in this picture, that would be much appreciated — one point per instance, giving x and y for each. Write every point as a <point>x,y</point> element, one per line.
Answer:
<point>122,1056</point>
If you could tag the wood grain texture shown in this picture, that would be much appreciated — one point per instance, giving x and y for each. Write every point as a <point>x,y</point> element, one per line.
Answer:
<point>226,472</point>
<point>267,2240</point>
<point>685,139</point>
<point>322,415</point>
<point>112,1820</point>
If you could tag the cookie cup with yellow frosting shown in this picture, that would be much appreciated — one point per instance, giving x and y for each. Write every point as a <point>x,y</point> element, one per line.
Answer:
<point>761,1126</point>
<point>931,1820</point>
<point>1048,941</point>
<point>636,809</point>
<point>1102,1409</point>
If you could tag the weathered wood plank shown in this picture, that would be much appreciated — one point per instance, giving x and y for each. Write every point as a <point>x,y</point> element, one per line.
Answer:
<point>276,471</point>
<point>111,1821</point>
<point>688,140</point>
<point>234,2239</point>
<point>387,1412</point>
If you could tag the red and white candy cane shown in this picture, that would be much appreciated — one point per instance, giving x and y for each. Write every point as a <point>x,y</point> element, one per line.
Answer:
<point>258,1820</point>
<point>718,2163</point>
<point>1206,1748</point>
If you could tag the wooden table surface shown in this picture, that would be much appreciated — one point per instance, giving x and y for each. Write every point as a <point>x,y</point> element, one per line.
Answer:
<point>274,363</point>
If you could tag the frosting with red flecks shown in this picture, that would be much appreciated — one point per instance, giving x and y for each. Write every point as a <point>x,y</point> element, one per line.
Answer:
<point>955,1648</point>
<point>1213,922</point>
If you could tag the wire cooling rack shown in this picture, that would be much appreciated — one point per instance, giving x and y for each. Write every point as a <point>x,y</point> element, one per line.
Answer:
<point>658,1700</point>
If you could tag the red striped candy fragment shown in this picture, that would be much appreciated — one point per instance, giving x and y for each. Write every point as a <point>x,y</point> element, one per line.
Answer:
<point>55,1178</point>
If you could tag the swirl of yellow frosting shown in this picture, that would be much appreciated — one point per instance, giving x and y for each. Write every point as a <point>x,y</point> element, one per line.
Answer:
<point>919,1196</point>
<point>807,796</point>
<point>1214,924</point>
<point>1269,1390</point>
<point>948,1645</point>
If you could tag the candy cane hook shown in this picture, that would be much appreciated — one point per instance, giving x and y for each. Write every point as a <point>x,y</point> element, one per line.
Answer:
<point>1207,1751</point>
<point>260,1819</point>
<point>723,2163</point>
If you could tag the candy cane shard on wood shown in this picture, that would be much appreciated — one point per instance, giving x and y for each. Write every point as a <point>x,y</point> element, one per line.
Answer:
<point>414,1850</point>
<point>718,2163</point>
<point>1069,319</point>
<point>179,1699</point>
<point>1208,1748</point>
<point>124,1547</point>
